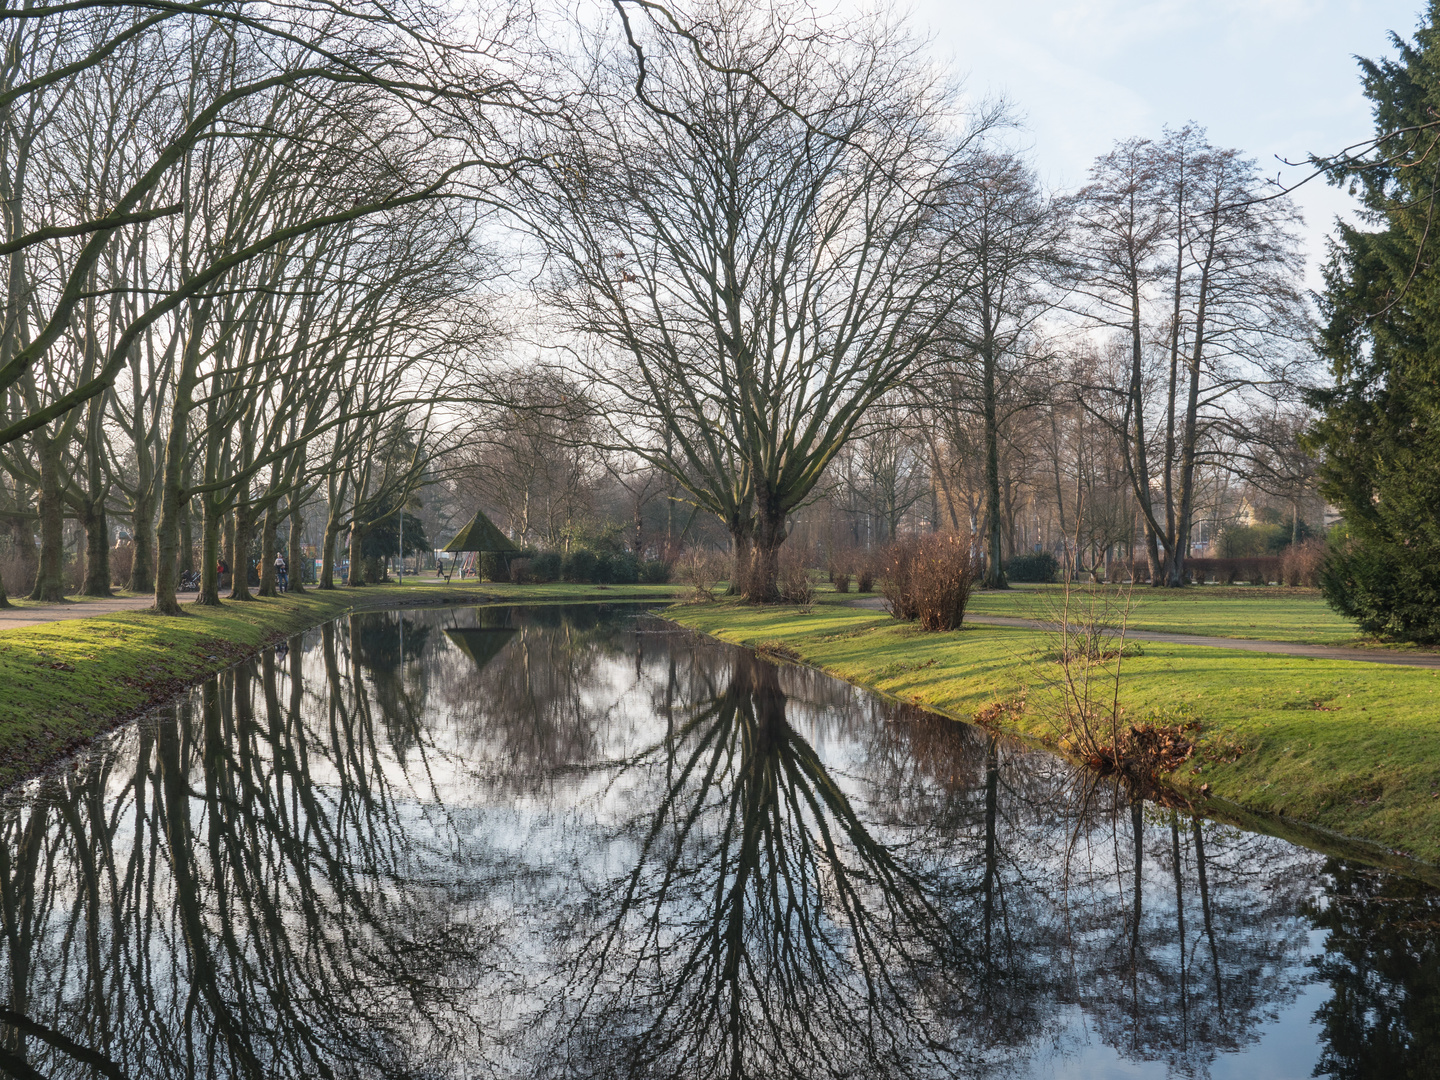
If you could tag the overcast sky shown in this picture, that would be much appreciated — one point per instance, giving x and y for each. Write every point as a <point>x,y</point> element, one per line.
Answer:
<point>1266,76</point>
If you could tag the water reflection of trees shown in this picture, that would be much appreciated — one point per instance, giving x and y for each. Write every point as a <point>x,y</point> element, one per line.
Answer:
<point>590,847</point>
<point>1178,939</point>
<point>190,901</point>
<point>762,930</point>
<point>1382,964</point>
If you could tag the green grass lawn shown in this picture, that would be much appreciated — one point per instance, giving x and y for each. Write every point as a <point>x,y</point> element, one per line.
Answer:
<point>63,682</point>
<point>1346,746</point>
<point>1265,613</point>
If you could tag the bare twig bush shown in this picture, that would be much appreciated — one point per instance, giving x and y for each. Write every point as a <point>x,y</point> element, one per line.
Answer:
<point>1300,564</point>
<point>702,571</point>
<point>841,578</point>
<point>793,580</point>
<point>865,573</point>
<point>520,571</point>
<point>897,568</point>
<point>1087,631</point>
<point>1088,635</point>
<point>929,580</point>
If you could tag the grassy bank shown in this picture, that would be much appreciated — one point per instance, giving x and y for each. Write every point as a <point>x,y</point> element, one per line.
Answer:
<point>62,683</point>
<point>1349,747</point>
<point>1263,613</point>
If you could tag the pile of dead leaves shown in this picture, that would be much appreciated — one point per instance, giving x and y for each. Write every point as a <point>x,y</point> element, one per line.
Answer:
<point>1146,750</point>
<point>1160,748</point>
<point>998,713</point>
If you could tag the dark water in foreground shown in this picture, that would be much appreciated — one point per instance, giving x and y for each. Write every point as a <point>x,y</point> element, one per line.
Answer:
<point>573,843</point>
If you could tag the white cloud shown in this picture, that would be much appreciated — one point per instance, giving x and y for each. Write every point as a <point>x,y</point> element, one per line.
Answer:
<point>1272,77</point>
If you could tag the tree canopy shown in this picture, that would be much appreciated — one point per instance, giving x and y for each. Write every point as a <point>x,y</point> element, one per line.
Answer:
<point>1379,435</point>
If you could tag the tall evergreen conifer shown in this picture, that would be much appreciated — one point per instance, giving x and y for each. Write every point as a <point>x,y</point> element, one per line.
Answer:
<point>1379,435</point>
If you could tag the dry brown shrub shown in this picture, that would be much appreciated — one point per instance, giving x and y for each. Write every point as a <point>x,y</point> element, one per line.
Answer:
<point>944,572</point>
<point>929,580</point>
<point>520,571</point>
<point>792,581</point>
<point>865,572</point>
<point>897,568</point>
<point>702,571</point>
<point>1300,563</point>
<point>841,578</point>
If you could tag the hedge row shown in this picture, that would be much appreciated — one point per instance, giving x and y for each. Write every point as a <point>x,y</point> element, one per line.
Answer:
<point>580,565</point>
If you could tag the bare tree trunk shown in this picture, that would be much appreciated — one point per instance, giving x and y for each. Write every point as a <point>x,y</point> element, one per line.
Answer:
<point>327,555</point>
<point>761,579</point>
<point>50,576</point>
<point>174,526</point>
<point>240,532</point>
<point>97,548</point>
<point>994,565</point>
<point>211,524</point>
<point>268,548</point>
<point>357,539</point>
<point>142,531</point>
<point>296,557</point>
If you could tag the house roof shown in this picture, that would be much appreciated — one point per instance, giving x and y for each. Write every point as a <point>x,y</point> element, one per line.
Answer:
<point>480,535</point>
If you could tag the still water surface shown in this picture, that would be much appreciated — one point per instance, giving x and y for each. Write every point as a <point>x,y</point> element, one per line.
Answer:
<point>575,842</point>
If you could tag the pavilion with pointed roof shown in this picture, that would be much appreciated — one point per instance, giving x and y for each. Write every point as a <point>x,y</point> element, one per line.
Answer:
<point>481,535</point>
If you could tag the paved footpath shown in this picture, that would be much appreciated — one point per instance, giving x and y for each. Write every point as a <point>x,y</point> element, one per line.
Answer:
<point>1281,648</point>
<point>14,618</point>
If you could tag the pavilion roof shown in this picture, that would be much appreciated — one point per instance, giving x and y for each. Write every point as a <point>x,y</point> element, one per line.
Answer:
<point>480,535</point>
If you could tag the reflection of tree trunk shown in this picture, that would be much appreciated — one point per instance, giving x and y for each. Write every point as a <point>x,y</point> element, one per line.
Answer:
<point>1180,924</point>
<point>992,790</point>
<point>1205,912</point>
<point>180,838</point>
<point>17,906</point>
<point>1137,823</point>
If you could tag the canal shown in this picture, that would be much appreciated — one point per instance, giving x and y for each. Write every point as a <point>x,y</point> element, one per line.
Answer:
<point>580,842</point>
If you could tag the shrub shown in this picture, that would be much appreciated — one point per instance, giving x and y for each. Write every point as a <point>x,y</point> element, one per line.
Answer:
<point>655,572</point>
<point>17,573</point>
<point>865,573</point>
<point>1300,563</point>
<point>122,561</point>
<point>580,564</point>
<point>943,573</point>
<point>546,566</point>
<point>701,570</point>
<point>520,571</point>
<point>1038,567</point>
<point>792,581</point>
<point>495,565</point>
<point>897,565</point>
<point>841,578</point>
<point>929,580</point>
<point>618,568</point>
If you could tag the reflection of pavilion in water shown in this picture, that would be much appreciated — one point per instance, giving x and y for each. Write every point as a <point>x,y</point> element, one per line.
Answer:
<point>549,842</point>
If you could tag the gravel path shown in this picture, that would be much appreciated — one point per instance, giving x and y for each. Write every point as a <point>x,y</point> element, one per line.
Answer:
<point>14,618</point>
<point>1280,648</point>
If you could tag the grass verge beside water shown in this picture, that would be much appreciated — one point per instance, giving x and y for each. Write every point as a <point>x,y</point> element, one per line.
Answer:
<point>1262,613</point>
<point>64,682</point>
<point>1347,746</point>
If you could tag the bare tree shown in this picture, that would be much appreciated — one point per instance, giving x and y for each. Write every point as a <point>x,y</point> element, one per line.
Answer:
<point>741,234</point>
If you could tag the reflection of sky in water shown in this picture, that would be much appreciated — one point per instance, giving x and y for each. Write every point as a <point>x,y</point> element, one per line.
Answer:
<point>442,862</point>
